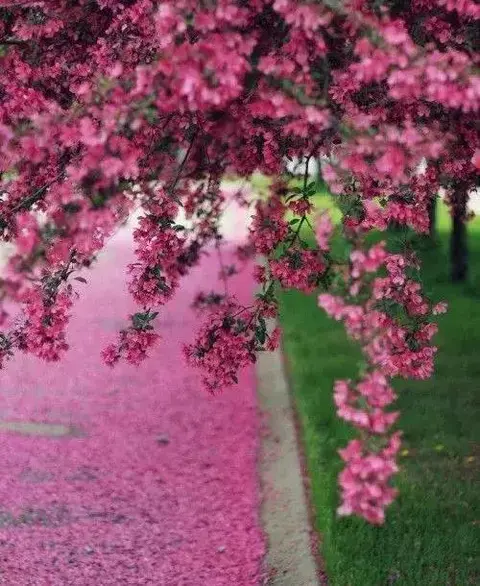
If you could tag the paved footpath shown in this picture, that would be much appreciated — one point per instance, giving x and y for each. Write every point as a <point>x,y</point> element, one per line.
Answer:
<point>141,478</point>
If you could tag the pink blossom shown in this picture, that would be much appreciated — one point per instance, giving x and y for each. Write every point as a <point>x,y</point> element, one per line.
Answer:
<point>476,159</point>
<point>323,231</point>
<point>333,305</point>
<point>27,233</point>
<point>439,308</point>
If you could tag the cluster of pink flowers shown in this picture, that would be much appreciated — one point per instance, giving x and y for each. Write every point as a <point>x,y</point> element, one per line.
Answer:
<point>388,316</point>
<point>158,244</point>
<point>269,226</point>
<point>298,269</point>
<point>228,341</point>
<point>365,481</point>
<point>363,405</point>
<point>324,231</point>
<point>221,349</point>
<point>133,342</point>
<point>46,320</point>
<point>107,107</point>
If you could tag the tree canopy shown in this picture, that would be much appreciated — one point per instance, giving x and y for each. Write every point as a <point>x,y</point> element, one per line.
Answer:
<point>108,107</point>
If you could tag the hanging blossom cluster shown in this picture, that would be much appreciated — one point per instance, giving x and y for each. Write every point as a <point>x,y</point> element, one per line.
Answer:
<point>391,319</point>
<point>230,340</point>
<point>111,108</point>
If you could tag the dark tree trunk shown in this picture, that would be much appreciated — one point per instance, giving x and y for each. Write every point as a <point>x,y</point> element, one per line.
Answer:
<point>458,238</point>
<point>432,217</point>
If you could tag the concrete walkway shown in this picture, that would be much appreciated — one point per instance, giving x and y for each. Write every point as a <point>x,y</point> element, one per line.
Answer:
<point>138,477</point>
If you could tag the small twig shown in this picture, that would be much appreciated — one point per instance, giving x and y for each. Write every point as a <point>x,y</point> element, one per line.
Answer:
<point>12,42</point>
<point>305,175</point>
<point>172,186</point>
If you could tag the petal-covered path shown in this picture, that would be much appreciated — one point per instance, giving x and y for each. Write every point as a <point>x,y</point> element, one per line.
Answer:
<point>155,484</point>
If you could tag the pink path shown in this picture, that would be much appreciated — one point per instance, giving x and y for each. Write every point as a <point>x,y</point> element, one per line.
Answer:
<point>161,489</point>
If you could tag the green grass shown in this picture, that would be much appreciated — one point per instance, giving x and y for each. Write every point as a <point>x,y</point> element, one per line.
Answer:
<point>432,531</point>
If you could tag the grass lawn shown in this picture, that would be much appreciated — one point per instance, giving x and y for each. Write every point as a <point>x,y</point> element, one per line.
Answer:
<point>433,529</point>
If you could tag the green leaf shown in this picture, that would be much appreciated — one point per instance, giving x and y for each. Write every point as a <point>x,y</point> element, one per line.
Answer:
<point>260,334</point>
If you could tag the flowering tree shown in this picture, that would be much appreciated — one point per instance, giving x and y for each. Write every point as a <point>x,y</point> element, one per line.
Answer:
<point>108,106</point>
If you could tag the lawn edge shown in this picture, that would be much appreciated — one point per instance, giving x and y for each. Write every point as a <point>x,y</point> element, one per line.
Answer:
<point>291,558</point>
<point>316,536</point>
